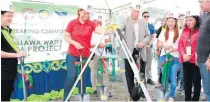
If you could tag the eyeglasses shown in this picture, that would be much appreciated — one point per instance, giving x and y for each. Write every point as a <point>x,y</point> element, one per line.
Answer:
<point>146,16</point>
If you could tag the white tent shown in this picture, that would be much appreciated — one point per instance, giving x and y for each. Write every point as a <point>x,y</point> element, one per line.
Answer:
<point>111,4</point>
<point>176,5</point>
<point>120,8</point>
<point>102,4</point>
<point>169,5</point>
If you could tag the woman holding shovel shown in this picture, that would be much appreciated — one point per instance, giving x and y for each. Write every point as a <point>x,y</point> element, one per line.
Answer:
<point>9,52</point>
<point>78,34</point>
<point>187,51</point>
<point>168,42</point>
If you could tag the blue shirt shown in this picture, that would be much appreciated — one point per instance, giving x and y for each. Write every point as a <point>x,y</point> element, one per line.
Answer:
<point>151,29</point>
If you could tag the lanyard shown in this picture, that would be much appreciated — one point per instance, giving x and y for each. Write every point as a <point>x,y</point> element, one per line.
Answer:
<point>189,40</point>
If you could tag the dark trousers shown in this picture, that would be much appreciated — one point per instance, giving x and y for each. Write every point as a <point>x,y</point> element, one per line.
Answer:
<point>7,87</point>
<point>72,74</point>
<point>160,76</point>
<point>129,72</point>
<point>192,77</point>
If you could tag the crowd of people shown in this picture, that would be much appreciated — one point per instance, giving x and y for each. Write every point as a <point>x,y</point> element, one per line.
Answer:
<point>185,37</point>
<point>189,48</point>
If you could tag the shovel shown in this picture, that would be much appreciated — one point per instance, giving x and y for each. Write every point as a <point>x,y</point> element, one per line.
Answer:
<point>102,90</point>
<point>160,96</point>
<point>23,78</point>
<point>164,94</point>
<point>137,92</point>
<point>82,96</point>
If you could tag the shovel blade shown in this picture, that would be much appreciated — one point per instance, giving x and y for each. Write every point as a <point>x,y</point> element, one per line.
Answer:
<point>103,92</point>
<point>166,96</point>
<point>136,93</point>
<point>82,97</point>
<point>159,95</point>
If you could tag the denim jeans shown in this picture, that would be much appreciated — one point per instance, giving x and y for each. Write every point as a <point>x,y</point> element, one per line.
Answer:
<point>205,76</point>
<point>72,73</point>
<point>172,73</point>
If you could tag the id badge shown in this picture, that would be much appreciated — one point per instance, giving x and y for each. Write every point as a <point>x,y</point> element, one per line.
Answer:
<point>188,50</point>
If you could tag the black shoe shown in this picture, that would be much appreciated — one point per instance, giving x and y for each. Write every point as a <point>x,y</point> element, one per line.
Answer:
<point>149,81</point>
<point>95,93</point>
<point>110,95</point>
<point>142,95</point>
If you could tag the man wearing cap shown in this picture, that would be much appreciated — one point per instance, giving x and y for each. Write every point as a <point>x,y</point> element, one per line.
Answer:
<point>9,52</point>
<point>136,34</point>
<point>203,48</point>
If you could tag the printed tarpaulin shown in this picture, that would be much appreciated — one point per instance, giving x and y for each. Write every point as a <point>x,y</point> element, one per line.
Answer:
<point>39,29</point>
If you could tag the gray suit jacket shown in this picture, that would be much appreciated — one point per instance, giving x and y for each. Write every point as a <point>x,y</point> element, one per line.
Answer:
<point>128,32</point>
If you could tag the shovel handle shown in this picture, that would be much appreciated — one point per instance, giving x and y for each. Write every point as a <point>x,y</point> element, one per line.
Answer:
<point>21,60</point>
<point>80,52</point>
<point>23,78</point>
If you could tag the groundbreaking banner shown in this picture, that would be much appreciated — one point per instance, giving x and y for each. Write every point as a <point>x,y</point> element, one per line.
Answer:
<point>39,30</point>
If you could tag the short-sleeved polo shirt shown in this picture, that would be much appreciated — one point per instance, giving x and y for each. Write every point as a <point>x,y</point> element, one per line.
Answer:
<point>82,34</point>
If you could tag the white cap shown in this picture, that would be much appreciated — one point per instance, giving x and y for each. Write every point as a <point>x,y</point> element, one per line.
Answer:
<point>191,13</point>
<point>88,8</point>
<point>6,5</point>
<point>98,17</point>
<point>172,15</point>
<point>136,5</point>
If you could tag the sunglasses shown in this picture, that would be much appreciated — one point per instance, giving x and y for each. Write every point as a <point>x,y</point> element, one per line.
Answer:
<point>146,16</point>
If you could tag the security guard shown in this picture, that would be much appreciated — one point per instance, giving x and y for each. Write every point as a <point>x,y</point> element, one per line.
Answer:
<point>9,52</point>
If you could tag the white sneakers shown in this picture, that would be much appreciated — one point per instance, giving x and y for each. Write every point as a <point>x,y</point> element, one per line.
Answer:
<point>203,97</point>
<point>171,99</point>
